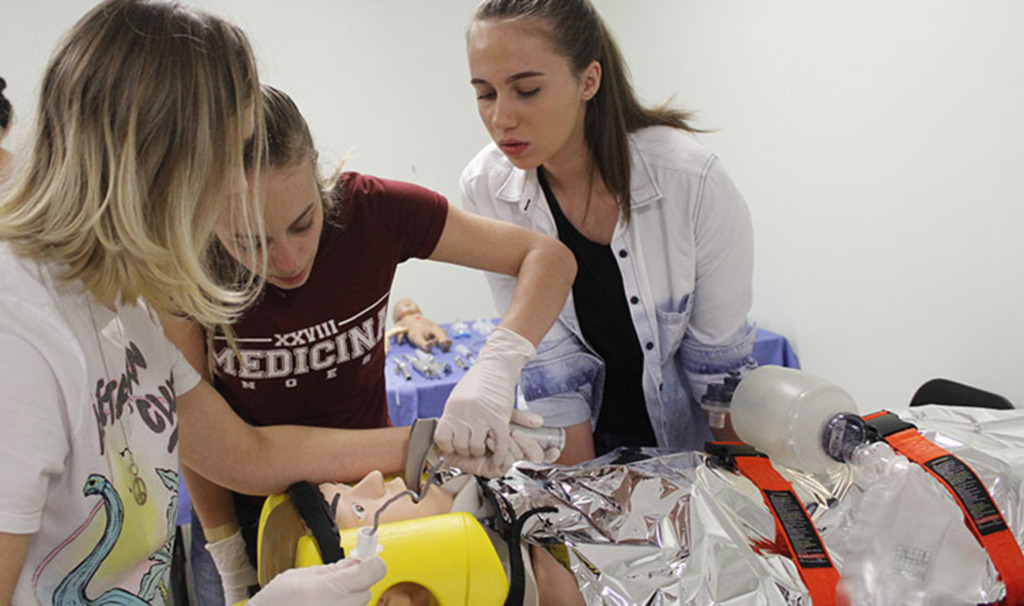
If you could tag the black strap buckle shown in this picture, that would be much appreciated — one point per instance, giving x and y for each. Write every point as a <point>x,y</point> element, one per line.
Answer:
<point>885,425</point>
<point>723,454</point>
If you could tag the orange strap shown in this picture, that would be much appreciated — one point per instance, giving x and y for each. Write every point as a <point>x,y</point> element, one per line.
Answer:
<point>981,514</point>
<point>791,520</point>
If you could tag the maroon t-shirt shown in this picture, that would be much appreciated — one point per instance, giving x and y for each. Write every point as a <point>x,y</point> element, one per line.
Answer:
<point>315,355</point>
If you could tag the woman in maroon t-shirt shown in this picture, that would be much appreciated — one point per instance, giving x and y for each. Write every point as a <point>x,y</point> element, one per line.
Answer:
<point>311,350</point>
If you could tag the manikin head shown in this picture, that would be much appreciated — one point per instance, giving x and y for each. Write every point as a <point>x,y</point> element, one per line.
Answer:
<point>355,506</point>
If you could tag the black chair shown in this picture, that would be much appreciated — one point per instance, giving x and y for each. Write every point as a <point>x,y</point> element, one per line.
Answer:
<point>951,393</point>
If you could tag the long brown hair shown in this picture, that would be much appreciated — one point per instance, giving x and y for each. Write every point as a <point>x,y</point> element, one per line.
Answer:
<point>576,31</point>
<point>138,145</point>
<point>289,142</point>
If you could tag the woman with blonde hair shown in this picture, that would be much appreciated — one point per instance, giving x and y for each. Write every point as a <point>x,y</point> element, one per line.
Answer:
<point>311,350</point>
<point>146,116</point>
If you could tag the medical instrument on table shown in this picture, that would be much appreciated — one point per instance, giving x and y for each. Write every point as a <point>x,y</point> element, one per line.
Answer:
<point>436,365</point>
<point>483,326</point>
<point>460,362</point>
<point>422,367</point>
<point>460,330</point>
<point>401,368</point>
<point>466,353</point>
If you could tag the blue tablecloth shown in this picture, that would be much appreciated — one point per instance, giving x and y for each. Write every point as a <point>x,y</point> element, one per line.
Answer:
<point>425,397</point>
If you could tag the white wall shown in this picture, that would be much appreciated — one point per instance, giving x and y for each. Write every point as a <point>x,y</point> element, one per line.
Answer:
<point>879,147</point>
<point>877,144</point>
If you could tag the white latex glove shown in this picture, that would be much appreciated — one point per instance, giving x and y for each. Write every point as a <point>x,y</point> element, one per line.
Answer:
<point>236,573</point>
<point>528,447</point>
<point>481,404</point>
<point>522,447</point>
<point>347,582</point>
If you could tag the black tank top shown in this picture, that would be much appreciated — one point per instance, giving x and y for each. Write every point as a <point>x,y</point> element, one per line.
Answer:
<point>603,314</point>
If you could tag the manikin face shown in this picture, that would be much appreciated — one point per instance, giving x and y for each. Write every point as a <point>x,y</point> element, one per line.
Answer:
<point>293,217</point>
<point>404,307</point>
<point>529,99</point>
<point>355,506</point>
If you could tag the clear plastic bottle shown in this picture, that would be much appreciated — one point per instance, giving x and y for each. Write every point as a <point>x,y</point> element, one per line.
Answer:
<point>797,419</point>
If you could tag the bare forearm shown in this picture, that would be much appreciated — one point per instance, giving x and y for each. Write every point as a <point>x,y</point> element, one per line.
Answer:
<point>13,547</point>
<point>543,267</point>
<point>220,446</point>
<point>332,455</point>
<point>542,284</point>
<point>276,457</point>
<point>213,503</point>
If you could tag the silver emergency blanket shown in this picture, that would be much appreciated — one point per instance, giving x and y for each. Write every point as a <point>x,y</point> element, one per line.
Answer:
<point>649,526</point>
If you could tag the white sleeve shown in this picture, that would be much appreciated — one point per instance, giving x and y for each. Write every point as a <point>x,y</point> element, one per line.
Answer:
<point>34,433</point>
<point>725,262</point>
<point>719,337</point>
<point>185,375</point>
<point>468,203</point>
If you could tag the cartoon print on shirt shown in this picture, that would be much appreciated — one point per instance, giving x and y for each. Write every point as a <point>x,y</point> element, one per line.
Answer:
<point>113,396</point>
<point>72,589</point>
<point>156,577</point>
<point>112,399</point>
<point>320,348</point>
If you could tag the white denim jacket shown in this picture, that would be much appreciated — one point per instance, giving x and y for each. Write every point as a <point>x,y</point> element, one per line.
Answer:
<point>686,259</point>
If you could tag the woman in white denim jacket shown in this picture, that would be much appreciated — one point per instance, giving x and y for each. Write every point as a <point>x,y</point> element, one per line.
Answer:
<point>577,157</point>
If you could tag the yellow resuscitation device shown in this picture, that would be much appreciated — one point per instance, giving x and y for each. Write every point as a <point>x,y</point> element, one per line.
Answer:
<point>450,555</point>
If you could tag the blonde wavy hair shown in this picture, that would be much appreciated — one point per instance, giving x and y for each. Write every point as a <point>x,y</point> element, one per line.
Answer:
<point>138,145</point>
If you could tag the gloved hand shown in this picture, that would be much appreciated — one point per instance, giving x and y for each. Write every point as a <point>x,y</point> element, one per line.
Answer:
<point>529,448</point>
<point>236,573</point>
<point>481,404</point>
<point>347,582</point>
<point>522,447</point>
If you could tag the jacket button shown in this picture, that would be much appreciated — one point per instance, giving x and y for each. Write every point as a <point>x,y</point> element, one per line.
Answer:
<point>649,346</point>
<point>623,253</point>
<point>634,300</point>
<point>661,386</point>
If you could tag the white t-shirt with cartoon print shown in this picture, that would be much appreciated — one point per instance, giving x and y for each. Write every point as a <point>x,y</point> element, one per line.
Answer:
<point>88,439</point>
